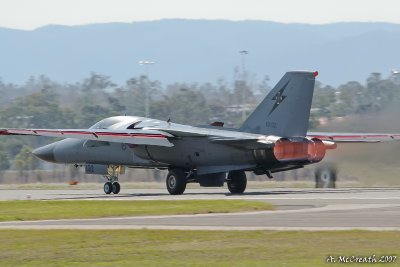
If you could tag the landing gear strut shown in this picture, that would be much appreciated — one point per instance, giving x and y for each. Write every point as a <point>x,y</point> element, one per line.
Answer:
<point>112,186</point>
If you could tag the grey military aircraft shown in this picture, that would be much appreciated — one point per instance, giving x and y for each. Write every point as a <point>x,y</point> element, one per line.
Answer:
<point>273,139</point>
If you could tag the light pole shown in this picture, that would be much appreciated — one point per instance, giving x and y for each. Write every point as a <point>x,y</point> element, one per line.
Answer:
<point>243,54</point>
<point>146,63</point>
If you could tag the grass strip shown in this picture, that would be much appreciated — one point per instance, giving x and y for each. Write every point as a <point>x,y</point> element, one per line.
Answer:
<point>24,210</point>
<point>190,248</point>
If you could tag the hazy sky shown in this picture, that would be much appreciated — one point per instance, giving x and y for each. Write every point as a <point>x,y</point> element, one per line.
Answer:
<point>30,14</point>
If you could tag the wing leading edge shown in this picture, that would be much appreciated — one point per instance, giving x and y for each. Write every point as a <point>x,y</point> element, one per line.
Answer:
<point>139,137</point>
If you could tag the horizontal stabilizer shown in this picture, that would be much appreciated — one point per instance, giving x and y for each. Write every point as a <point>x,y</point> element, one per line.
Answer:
<point>355,137</point>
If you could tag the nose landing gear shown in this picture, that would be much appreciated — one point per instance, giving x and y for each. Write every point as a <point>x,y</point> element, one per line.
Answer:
<point>112,186</point>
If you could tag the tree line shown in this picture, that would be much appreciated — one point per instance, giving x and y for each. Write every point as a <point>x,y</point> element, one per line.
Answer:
<point>44,103</point>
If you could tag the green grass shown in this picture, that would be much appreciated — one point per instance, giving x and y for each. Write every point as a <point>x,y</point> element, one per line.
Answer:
<point>190,248</point>
<point>78,209</point>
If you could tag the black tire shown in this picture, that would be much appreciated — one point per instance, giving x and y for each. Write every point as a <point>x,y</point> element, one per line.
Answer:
<point>108,188</point>
<point>237,182</point>
<point>116,188</point>
<point>325,178</point>
<point>176,182</point>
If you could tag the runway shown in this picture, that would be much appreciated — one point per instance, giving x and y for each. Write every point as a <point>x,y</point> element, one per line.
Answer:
<point>297,209</point>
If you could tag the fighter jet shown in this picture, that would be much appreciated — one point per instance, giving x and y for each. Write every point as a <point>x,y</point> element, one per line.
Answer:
<point>273,139</point>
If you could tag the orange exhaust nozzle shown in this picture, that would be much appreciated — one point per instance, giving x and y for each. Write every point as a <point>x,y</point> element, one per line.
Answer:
<point>304,150</point>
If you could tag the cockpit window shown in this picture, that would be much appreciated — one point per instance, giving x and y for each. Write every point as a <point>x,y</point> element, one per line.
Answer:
<point>106,123</point>
<point>134,125</point>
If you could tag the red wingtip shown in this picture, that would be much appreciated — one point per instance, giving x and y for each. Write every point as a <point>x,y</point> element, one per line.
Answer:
<point>315,73</point>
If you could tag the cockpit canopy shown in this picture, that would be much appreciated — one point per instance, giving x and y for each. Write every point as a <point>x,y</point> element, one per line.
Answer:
<point>126,122</point>
<point>116,122</point>
<point>106,123</point>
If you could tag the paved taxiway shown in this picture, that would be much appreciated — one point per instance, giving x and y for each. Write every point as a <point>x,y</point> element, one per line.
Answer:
<point>297,209</point>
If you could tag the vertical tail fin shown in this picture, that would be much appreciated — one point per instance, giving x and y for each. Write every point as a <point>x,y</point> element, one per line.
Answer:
<point>285,111</point>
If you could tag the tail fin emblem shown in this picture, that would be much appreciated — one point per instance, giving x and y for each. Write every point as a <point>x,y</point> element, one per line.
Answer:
<point>278,98</point>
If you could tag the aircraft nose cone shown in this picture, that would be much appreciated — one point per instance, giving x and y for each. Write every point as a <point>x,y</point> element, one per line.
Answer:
<point>45,153</point>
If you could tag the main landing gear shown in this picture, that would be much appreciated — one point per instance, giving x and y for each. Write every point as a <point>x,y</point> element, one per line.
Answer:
<point>237,182</point>
<point>177,179</point>
<point>112,186</point>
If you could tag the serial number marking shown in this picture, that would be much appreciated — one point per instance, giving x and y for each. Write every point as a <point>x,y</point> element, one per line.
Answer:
<point>270,124</point>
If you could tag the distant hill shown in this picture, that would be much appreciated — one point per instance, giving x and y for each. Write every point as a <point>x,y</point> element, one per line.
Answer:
<point>200,50</point>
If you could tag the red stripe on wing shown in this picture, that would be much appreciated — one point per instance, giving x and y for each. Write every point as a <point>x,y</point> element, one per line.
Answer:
<point>105,134</point>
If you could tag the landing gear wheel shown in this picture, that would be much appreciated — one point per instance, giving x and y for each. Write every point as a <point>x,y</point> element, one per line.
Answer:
<point>325,178</point>
<point>108,188</point>
<point>176,182</point>
<point>116,188</point>
<point>237,182</point>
